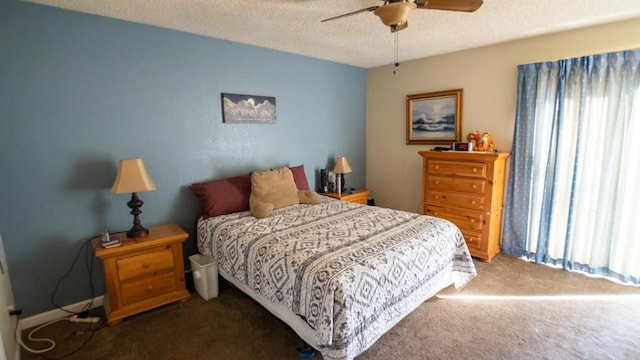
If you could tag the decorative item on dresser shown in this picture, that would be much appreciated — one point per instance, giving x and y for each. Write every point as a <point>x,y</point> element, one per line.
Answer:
<point>467,188</point>
<point>359,196</point>
<point>143,273</point>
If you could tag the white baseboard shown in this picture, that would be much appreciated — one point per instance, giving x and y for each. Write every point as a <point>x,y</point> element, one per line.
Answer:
<point>54,314</point>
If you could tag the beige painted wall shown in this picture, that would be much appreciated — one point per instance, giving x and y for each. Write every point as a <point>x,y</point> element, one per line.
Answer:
<point>488,77</point>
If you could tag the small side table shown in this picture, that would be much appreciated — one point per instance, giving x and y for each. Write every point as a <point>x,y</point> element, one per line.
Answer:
<point>360,196</point>
<point>143,273</point>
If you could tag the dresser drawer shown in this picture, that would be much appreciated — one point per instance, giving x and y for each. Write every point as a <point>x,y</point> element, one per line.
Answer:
<point>467,201</point>
<point>458,168</point>
<point>473,240</point>
<point>146,263</point>
<point>464,219</point>
<point>148,287</point>
<point>469,185</point>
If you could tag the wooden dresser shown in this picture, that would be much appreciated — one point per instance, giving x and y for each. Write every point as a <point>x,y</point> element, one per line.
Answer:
<point>467,188</point>
<point>143,273</point>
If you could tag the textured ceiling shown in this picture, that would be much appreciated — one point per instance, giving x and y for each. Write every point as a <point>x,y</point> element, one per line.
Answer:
<point>362,40</point>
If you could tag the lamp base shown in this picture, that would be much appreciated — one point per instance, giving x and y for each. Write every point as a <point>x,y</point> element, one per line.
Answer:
<point>137,230</point>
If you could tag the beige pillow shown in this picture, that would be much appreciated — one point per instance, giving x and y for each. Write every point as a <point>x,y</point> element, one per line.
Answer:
<point>272,189</point>
<point>259,209</point>
<point>308,197</point>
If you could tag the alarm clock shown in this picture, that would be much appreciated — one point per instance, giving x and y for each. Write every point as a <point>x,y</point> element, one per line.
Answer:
<point>462,146</point>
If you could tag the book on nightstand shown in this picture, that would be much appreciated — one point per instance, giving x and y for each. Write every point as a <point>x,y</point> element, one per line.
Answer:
<point>113,242</point>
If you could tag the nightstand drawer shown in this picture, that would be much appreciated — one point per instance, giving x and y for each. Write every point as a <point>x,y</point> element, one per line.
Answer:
<point>458,168</point>
<point>476,186</point>
<point>146,263</point>
<point>360,196</point>
<point>138,290</point>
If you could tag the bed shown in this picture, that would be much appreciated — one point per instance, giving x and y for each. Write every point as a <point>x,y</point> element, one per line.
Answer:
<point>339,274</point>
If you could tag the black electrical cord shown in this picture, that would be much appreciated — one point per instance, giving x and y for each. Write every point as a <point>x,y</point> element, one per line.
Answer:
<point>89,264</point>
<point>89,261</point>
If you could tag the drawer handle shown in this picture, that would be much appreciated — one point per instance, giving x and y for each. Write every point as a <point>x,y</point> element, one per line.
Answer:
<point>475,170</point>
<point>146,265</point>
<point>471,221</point>
<point>437,182</point>
<point>437,166</point>
<point>473,202</point>
<point>149,287</point>
<point>436,197</point>
<point>474,186</point>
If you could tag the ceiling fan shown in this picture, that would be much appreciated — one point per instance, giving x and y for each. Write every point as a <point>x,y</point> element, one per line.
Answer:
<point>394,13</point>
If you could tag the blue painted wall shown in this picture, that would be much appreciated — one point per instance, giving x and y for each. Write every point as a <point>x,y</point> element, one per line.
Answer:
<point>79,92</point>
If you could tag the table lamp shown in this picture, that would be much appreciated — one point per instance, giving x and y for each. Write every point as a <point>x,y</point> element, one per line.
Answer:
<point>133,178</point>
<point>342,167</point>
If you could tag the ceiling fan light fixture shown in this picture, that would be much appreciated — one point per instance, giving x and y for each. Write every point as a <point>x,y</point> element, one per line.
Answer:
<point>395,13</point>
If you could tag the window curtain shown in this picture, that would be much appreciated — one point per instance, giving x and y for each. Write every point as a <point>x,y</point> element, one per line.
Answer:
<point>573,197</point>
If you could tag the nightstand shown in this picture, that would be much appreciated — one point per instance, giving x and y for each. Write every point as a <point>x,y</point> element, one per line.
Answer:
<point>143,273</point>
<point>360,196</point>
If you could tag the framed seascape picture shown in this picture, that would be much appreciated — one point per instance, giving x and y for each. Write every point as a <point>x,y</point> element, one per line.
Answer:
<point>243,109</point>
<point>434,118</point>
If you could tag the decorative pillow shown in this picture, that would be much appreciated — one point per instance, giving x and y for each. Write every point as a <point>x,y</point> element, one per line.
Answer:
<point>260,209</point>
<point>275,188</point>
<point>223,196</point>
<point>308,197</point>
<point>300,177</point>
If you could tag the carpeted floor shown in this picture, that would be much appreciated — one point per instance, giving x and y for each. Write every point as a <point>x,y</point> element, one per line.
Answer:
<point>511,310</point>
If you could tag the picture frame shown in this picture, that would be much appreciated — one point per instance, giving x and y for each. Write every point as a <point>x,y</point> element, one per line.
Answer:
<point>434,117</point>
<point>243,109</point>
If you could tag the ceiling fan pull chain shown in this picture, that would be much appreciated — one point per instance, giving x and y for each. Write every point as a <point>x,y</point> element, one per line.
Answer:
<point>395,52</point>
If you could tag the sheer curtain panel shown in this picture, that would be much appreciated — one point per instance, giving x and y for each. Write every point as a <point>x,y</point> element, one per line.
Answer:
<point>573,198</point>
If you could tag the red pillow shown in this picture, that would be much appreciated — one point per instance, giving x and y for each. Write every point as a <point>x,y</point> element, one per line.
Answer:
<point>300,177</point>
<point>223,196</point>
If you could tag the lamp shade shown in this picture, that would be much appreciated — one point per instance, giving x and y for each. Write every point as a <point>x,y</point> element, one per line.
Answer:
<point>342,166</point>
<point>132,177</point>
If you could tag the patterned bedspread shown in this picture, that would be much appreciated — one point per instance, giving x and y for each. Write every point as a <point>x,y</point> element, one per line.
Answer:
<point>347,269</point>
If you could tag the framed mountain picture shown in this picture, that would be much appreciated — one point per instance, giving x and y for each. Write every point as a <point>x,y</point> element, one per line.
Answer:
<point>242,109</point>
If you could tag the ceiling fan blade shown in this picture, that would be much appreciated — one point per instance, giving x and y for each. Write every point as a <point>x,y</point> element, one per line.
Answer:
<point>396,28</point>
<point>450,5</point>
<point>370,8</point>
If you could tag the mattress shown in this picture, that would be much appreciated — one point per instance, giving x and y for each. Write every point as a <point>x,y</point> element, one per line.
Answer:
<point>340,274</point>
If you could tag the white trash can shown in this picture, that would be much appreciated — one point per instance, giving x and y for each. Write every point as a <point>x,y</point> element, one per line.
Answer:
<point>205,275</point>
